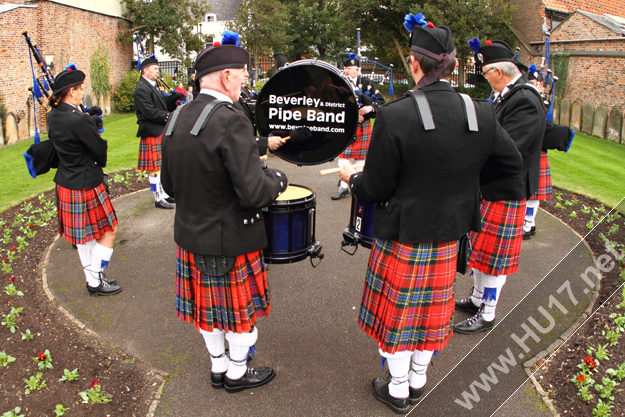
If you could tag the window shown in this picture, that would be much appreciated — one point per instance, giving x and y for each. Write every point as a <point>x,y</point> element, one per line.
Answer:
<point>211,17</point>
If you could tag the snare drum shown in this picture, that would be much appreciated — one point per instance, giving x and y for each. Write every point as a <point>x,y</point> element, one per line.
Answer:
<point>290,226</point>
<point>313,94</point>
<point>360,230</point>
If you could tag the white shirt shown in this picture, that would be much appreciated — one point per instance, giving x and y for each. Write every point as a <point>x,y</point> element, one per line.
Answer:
<point>152,83</point>
<point>216,94</point>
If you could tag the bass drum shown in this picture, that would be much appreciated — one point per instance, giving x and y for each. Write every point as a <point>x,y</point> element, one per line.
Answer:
<point>311,94</point>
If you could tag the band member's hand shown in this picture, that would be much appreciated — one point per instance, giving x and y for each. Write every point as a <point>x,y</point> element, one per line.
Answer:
<point>346,172</point>
<point>361,118</point>
<point>365,109</point>
<point>275,142</point>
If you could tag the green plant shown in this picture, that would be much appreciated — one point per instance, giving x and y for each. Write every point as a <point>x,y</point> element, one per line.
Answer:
<point>19,219</point>
<point>573,214</point>
<point>584,394</point>
<point>568,203</point>
<point>611,336</point>
<point>11,290</point>
<point>94,395</point>
<point>602,409</point>
<point>13,413</point>
<point>585,209</point>
<point>44,360</point>
<point>28,335</point>
<point>124,94</point>
<point>59,410</point>
<point>590,224</point>
<point>560,206</point>
<point>606,388</point>
<point>69,376</point>
<point>6,359</point>
<point>100,71</point>
<point>34,383</point>
<point>617,373</point>
<point>10,321</point>
<point>560,66</point>
<point>619,320</point>
<point>21,243</point>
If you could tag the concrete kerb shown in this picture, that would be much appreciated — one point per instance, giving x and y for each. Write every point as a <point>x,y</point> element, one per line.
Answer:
<point>545,354</point>
<point>162,376</point>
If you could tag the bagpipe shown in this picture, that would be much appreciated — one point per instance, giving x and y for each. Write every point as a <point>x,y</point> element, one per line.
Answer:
<point>172,98</point>
<point>361,58</point>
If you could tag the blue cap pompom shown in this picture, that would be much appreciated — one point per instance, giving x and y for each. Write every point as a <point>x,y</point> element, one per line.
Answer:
<point>532,68</point>
<point>352,55</point>
<point>410,21</point>
<point>230,38</point>
<point>474,45</point>
<point>70,67</point>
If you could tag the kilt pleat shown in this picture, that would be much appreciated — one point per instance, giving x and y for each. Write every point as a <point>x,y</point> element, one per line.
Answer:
<point>408,297</point>
<point>496,249</point>
<point>229,303</point>
<point>358,149</point>
<point>545,189</point>
<point>150,153</point>
<point>84,215</point>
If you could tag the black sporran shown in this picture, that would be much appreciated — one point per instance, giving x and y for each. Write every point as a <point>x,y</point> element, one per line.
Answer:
<point>464,252</point>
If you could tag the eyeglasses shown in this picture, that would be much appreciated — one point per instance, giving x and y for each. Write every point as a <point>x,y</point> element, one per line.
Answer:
<point>489,70</point>
<point>408,59</point>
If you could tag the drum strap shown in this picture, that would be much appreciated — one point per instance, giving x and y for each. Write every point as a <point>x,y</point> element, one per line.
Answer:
<point>205,115</point>
<point>174,120</point>
<point>469,108</point>
<point>425,113</point>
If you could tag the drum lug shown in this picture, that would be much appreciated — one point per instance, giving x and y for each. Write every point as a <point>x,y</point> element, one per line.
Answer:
<point>315,252</point>
<point>349,239</point>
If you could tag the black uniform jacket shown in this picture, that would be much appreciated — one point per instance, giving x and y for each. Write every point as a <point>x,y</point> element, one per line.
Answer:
<point>367,85</point>
<point>81,150</point>
<point>151,109</point>
<point>218,182</point>
<point>522,115</point>
<point>261,141</point>
<point>426,183</point>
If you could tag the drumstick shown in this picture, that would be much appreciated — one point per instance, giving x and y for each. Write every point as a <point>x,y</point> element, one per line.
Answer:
<point>335,170</point>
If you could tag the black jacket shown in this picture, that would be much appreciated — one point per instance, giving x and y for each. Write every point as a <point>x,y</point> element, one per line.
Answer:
<point>218,182</point>
<point>522,115</point>
<point>81,150</point>
<point>151,109</point>
<point>426,183</point>
<point>367,86</point>
<point>261,141</point>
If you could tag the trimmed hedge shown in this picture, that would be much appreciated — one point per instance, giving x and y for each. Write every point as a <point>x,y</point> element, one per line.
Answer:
<point>124,96</point>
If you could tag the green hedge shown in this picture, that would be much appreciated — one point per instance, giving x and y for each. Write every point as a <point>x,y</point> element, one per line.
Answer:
<point>124,96</point>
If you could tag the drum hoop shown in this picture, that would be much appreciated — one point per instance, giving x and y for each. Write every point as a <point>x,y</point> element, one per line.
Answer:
<point>297,201</point>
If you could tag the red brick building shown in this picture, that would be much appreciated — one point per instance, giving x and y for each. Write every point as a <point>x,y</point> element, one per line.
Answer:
<point>66,32</point>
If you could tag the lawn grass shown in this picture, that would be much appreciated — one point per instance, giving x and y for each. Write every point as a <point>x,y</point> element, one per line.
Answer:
<point>17,185</point>
<point>592,167</point>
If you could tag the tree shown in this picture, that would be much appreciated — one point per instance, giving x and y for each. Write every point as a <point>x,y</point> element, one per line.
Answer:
<point>255,22</point>
<point>318,28</point>
<point>168,24</point>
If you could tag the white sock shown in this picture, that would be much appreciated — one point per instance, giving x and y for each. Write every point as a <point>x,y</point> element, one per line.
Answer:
<point>492,285</point>
<point>84,252</point>
<point>100,257</point>
<point>399,367</point>
<point>478,288</point>
<point>154,186</point>
<point>420,361</point>
<point>530,213</point>
<point>160,186</point>
<point>343,161</point>
<point>239,344</point>
<point>215,342</point>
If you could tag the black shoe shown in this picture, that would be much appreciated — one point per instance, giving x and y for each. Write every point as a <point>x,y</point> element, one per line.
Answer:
<point>474,324</point>
<point>465,304</point>
<point>533,230</point>
<point>380,391</point>
<point>104,289</point>
<point>163,204</point>
<point>171,200</point>
<point>251,379</point>
<point>109,281</point>
<point>527,235</point>
<point>218,379</point>
<point>341,193</point>
<point>416,394</point>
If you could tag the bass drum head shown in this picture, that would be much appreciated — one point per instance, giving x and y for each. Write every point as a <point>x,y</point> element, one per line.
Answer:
<point>311,94</point>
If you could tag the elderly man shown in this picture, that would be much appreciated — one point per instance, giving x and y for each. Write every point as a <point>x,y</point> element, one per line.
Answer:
<point>496,249</point>
<point>152,115</point>
<point>211,166</point>
<point>423,172</point>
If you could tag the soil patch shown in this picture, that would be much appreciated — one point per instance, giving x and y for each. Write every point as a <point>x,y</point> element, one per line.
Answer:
<point>129,384</point>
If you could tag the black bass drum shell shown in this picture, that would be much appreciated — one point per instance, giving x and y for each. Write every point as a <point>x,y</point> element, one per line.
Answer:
<point>311,94</point>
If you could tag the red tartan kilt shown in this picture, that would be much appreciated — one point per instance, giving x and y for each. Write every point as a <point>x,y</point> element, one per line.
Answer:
<point>229,303</point>
<point>84,215</point>
<point>358,149</point>
<point>150,153</point>
<point>545,190</point>
<point>408,299</point>
<point>496,249</point>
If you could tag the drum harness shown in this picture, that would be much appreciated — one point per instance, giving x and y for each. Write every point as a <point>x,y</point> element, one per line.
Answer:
<point>211,265</point>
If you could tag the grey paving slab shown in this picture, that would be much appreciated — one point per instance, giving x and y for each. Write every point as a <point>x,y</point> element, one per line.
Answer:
<point>324,363</point>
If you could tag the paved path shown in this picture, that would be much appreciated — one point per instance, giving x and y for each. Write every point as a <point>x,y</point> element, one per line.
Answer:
<point>324,363</point>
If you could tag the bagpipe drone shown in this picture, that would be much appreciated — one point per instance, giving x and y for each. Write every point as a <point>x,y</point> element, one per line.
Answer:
<point>361,58</point>
<point>172,99</point>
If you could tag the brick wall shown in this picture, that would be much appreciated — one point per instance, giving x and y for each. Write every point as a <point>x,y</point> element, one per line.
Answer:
<point>530,19</point>
<point>578,26</point>
<point>68,33</point>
